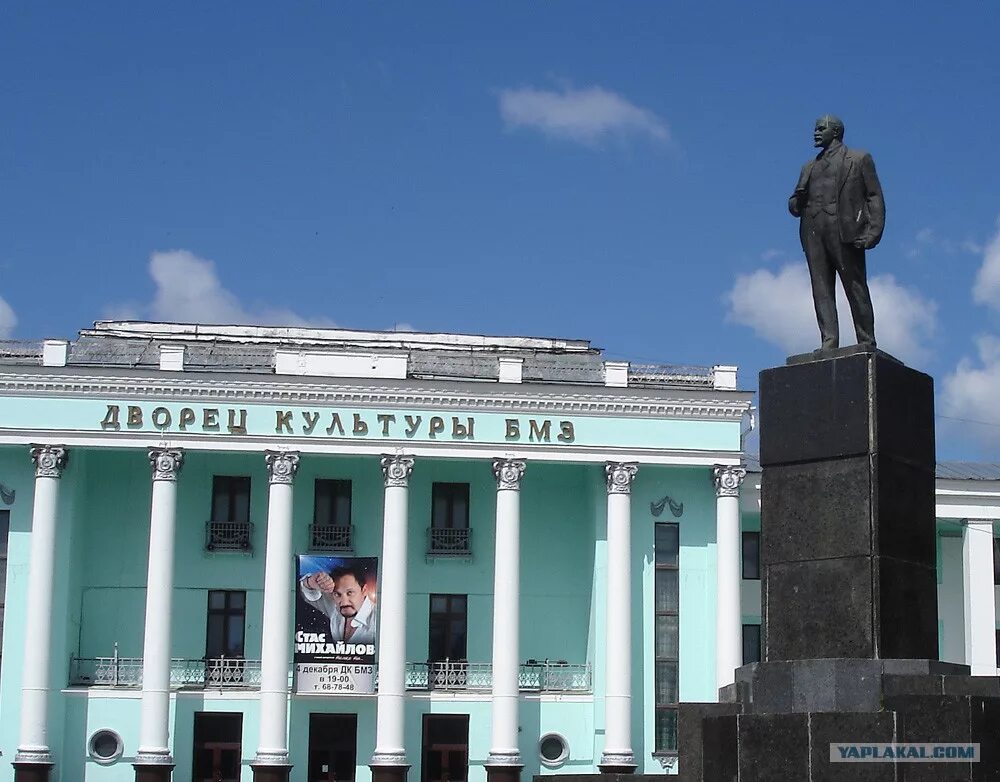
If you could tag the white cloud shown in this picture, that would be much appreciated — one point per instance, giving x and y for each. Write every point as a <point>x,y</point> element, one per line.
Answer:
<point>586,116</point>
<point>188,289</point>
<point>986,289</point>
<point>970,392</point>
<point>778,307</point>
<point>8,319</point>
<point>927,242</point>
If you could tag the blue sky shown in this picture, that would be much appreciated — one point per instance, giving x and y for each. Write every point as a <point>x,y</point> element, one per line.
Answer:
<point>617,172</point>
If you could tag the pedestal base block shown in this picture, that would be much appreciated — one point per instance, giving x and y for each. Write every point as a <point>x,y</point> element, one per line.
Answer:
<point>31,772</point>
<point>389,773</point>
<point>503,773</point>
<point>267,772</point>
<point>789,717</point>
<point>153,772</point>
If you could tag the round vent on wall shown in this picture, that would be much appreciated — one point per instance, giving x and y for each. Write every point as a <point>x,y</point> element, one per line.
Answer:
<point>105,746</point>
<point>553,750</point>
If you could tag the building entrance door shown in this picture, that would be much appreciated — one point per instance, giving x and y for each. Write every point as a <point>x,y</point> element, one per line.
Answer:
<point>218,747</point>
<point>445,748</point>
<point>333,747</point>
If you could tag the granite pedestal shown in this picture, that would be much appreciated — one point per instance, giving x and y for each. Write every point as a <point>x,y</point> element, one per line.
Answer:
<point>848,591</point>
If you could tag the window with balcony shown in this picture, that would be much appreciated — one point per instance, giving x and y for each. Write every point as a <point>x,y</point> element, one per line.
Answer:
<point>229,528</point>
<point>224,637</point>
<point>449,533</point>
<point>751,643</point>
<point>447,651</point>
<point>331,529</point>
<point>751,555</point>
<point>666,636</point>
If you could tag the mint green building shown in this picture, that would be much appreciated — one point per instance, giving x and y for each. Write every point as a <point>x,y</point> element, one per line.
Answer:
<point>558,550</point>
<point>544,523</point>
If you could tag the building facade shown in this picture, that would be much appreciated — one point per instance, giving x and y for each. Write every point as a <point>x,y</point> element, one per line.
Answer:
<point>536,521</point>
<point>260,553</point>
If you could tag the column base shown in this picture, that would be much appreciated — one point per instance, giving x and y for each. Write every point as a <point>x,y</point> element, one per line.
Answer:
<point>389,773</point>
<point>271,772</point>
<point>31,771</point>
<point>153,772</point>
<point>504,773</point>
<point>617,764</point>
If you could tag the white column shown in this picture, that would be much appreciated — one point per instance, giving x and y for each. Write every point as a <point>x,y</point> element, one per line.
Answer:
<point>154,719</point>
<point>506,611</point>
<point>617,755</point>
<point>980,598</point>
<point>390,750</point>
<point>276,632</point>
<point>728,620</point>
<point>33,746</point>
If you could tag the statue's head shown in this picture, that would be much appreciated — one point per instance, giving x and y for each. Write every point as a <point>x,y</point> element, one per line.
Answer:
<point>828,128</point>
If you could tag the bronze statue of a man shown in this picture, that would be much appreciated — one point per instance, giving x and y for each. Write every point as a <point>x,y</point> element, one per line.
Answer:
<point>839,202</point>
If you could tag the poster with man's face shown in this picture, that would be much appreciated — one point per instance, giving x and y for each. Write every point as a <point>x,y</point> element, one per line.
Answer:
<point>335,624</point>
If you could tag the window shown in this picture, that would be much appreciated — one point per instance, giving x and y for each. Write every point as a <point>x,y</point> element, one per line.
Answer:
<point>227,612</point>
<point>751,555</point>
<point>449,531</point>
<point>333,747</point>
<point>996,561</point>
<point>231,498</point>
<point>448,623</point>
<point>751,644</point>
<point>331,528</point>
<point>4,531</point>
<point>666,637</point>
<point>230,528</point>
<point>445,748</point>
<point>218,746</point>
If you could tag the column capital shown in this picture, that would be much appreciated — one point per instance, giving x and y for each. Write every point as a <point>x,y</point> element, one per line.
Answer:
<point>50,460</point>
<point>396,469</point>
<point>620,476</point>
<point>509,473</point>
<point>166,463</point>
<point>281,466</point>
<point>727,479</point>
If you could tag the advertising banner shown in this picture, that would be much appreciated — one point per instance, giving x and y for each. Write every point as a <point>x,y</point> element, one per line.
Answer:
<point>335,616</point>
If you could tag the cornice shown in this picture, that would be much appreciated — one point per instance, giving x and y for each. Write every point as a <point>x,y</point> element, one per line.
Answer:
<point>702,404</point>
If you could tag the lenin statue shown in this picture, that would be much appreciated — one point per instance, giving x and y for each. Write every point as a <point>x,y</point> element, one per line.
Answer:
<point>839,202</point>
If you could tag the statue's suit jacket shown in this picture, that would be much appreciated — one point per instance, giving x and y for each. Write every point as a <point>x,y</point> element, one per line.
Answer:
<point>860,206</point>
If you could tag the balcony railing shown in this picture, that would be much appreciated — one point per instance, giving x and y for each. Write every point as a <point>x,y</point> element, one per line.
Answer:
<point>533,676</point>
<point>444,542</point>
<point>330,537</point>
<point>218,673</point>
<point>236,673</point>
<point>229,536</point>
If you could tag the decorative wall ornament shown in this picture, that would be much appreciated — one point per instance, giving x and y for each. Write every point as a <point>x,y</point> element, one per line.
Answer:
<point>281,466</point>
<point>166,463</point>
<point>50,460</point>
<point>397,469</point>
<point>7,495</point>
<point>620,476</point>
<point>509,473</point>
<point>676,508</point>
<point>727,479</point>
<point>667,762</point>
